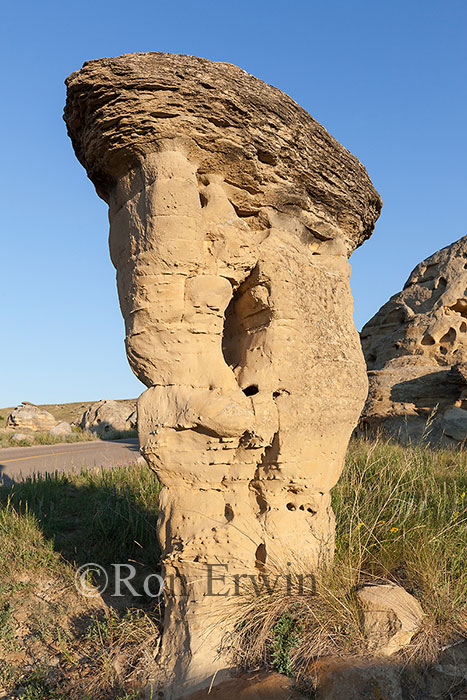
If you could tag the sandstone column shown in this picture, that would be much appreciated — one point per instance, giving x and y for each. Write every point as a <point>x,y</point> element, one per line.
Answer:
<point>232,216</point>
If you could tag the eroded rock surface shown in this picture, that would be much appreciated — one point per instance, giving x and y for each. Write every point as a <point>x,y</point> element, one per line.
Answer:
<point>107,417</point>
<point>391,617</point>
<point>232,215</point>
<point>30,417</point>
<point>61,429</point>
<point>416,352</point>
<point>370,678</point>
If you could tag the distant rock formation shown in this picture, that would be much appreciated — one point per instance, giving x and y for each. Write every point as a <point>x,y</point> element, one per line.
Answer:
<point>105,418</point>
<point>232,215</point>
<point>62,429</point>
<point>416,352</point>
<point>30,417</point>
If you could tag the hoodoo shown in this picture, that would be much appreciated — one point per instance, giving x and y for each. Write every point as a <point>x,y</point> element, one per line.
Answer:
<point>416,351</point>
<point>232,217</point>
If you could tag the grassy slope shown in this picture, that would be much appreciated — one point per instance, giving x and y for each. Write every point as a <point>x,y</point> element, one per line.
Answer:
<point>55,644</point>
<point>401,516</point>
<point>69,412</point>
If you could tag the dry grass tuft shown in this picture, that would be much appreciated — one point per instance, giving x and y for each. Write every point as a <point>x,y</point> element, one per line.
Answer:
<point>401,516</point>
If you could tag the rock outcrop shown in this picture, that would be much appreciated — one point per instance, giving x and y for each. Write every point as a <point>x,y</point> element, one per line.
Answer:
<point>106,418</point>
<point>254,686</point>
<point>391,617</point>
<point>382,678</point>
<point>232,215</point>
<point>61,429</point>
<point>30,417</point>
<point>22,437</point>
<point>416,353</point>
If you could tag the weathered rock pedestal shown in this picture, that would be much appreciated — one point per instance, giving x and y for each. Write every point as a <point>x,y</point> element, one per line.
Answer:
<point>416,351</point>
<point>232,215</point>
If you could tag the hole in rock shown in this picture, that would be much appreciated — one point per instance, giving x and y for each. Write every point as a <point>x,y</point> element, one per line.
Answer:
<point>247,313</point>
<point>266,157</point>
<point>396,317</point>
<point>228,512</point>
<point>280,392</point>
<point>308,509</point>
<point>294,490</point>
<point>428,339</point>
<point>463,327</point>
<point>291,506</point>
<point>441,283</point>
<point>449,337</point>
<point>443,350</point>
<point>250,390</point>
<point>203,199</point>
<point>260,556</point>
<point>461,307</point>
<point>429,272</point>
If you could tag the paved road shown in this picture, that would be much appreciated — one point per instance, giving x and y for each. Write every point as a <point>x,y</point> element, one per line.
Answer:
<point>16,463</point>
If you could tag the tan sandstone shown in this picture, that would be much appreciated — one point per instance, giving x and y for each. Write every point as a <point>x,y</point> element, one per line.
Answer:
<point>232,216</point>
<point>107,417</point>
<point>416,352</point>
<point>30,417</point>
<point>391,617</point>
<point>62,429</point>
<point>254,686</point>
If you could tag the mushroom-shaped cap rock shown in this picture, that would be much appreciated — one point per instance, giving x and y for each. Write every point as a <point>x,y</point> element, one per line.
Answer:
<point>267,148</point>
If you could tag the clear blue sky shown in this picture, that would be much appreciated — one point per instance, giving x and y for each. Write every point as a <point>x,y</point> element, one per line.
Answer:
<point>387,79</point>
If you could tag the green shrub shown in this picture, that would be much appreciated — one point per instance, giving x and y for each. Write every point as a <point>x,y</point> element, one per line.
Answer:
<point>286,637</point>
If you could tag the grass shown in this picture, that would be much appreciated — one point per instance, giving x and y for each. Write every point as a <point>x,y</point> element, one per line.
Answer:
<point>53,642</point>
<point>102,516</point>
<point>77,435</point>
<point>401,516</point>
<point>44,438</point>
<point>68,412</point>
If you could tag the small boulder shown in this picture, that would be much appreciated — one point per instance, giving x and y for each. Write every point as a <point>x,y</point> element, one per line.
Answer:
<point>61,429</point>
<point>106,418</point>
<point>391,617</point>
<point>22,437</point>
<point>30,417</point>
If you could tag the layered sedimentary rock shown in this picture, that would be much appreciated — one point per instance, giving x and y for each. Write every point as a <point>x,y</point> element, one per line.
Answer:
<point>30,417</point>
<point>416,352</point>
<point>232,215</point>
